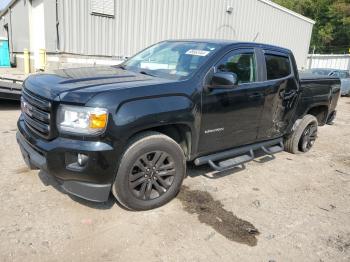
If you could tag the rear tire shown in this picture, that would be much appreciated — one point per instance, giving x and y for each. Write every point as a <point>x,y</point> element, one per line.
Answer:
<point>303,137</point>
<point>151,172</point>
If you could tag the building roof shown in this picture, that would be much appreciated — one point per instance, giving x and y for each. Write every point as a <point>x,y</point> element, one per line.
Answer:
<point>286,10</point>
<point>4,11</point>
<point>270,3</point>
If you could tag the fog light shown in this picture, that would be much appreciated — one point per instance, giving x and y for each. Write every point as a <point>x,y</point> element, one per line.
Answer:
<point>82,159</point>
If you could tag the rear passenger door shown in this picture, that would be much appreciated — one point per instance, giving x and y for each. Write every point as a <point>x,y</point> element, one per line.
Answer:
<point>281,94</point>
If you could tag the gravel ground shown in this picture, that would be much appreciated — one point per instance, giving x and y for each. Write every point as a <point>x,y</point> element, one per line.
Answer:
<point>292,208</point>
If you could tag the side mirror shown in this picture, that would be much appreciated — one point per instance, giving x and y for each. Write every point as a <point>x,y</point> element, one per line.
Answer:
<point>223,80</point>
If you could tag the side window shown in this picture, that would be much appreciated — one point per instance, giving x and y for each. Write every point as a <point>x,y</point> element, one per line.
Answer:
<point>243,65</point>
<point>343,75</point>
<point>277,66</point>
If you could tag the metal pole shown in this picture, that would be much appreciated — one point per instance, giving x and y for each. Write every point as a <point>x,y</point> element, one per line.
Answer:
<point>26,59</point>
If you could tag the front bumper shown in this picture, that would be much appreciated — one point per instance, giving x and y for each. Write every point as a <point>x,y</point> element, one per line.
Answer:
<point>92,181</point>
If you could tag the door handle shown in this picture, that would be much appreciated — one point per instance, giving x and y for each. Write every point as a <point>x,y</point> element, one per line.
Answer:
<point>256,95</point>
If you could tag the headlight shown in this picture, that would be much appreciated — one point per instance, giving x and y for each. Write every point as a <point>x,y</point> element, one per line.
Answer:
<point>81,120</point>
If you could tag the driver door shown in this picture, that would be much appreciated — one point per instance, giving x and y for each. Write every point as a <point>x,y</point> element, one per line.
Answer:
<point>231,116</point>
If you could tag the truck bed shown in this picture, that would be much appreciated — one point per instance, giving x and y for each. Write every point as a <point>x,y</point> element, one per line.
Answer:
<point>320,90</point>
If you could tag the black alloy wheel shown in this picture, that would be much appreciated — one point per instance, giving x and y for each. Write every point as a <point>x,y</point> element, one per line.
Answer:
<point>152,175</point>
<point>308,137</point>
<point>150,172</point>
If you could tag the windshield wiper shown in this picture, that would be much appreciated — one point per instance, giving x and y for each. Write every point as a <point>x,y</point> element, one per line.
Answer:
<point>145,73</point>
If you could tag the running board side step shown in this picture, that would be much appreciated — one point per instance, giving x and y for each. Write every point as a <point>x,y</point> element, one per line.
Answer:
<point>230,163</point>
<point>238,156</point>
<point>273,149</point>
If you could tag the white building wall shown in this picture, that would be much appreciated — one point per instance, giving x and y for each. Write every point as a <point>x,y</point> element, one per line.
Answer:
<point>341,62</point>
<point>17,20</point>
<point>37,30</point>
<point>139,23</point>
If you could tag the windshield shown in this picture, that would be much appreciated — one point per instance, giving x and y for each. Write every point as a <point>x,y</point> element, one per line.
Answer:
<point>172,60</point>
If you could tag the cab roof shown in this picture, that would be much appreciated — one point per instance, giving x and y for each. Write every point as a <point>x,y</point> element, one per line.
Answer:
<point>225,42</point>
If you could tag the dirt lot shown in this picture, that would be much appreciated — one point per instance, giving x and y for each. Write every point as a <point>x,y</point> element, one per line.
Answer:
<point>293,208</point>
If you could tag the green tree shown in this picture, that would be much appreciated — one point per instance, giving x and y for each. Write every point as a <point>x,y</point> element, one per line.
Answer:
<point>331,33</point>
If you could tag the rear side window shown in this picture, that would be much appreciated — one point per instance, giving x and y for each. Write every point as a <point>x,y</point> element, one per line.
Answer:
<point>277,66</point>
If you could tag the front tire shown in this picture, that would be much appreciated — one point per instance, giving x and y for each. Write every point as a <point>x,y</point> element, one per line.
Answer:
<point>303,137</point>
<point>151,172</point>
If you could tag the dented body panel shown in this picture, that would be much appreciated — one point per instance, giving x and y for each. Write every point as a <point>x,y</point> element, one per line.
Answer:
<point>320,93</point>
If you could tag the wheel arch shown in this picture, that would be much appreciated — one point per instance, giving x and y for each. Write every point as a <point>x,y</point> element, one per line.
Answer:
<point>175,116</point>
<point>181,133</point>
<point>320,112</point>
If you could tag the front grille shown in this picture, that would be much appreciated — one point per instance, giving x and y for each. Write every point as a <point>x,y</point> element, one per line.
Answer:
<point>37,114</point>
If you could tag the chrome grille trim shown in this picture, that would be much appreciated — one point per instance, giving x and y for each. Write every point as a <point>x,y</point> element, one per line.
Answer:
<point>45,129</point>
<point>36,114</point>
<point>35,101</point>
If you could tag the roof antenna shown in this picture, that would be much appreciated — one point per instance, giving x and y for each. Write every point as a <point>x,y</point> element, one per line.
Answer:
<point>257,35</point>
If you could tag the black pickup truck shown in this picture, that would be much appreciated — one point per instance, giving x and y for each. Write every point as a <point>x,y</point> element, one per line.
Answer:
<point>130,129</point>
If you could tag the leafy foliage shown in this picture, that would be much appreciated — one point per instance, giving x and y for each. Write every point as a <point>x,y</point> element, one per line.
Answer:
<point>331,32</point>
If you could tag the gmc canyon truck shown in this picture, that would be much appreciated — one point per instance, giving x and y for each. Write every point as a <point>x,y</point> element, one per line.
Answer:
<point>130,129</point>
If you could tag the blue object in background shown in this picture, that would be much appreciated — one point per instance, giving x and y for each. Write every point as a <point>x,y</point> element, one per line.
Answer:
<point>4,53</point>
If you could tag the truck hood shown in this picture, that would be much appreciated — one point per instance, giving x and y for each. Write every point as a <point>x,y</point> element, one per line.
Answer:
<point>59,83</point>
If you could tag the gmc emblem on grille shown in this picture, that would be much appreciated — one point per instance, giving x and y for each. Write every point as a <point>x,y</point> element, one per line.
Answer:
<point>26,108</point>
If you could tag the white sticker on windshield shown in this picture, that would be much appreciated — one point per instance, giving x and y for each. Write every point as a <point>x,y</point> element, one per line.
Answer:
<point>197,52</point>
